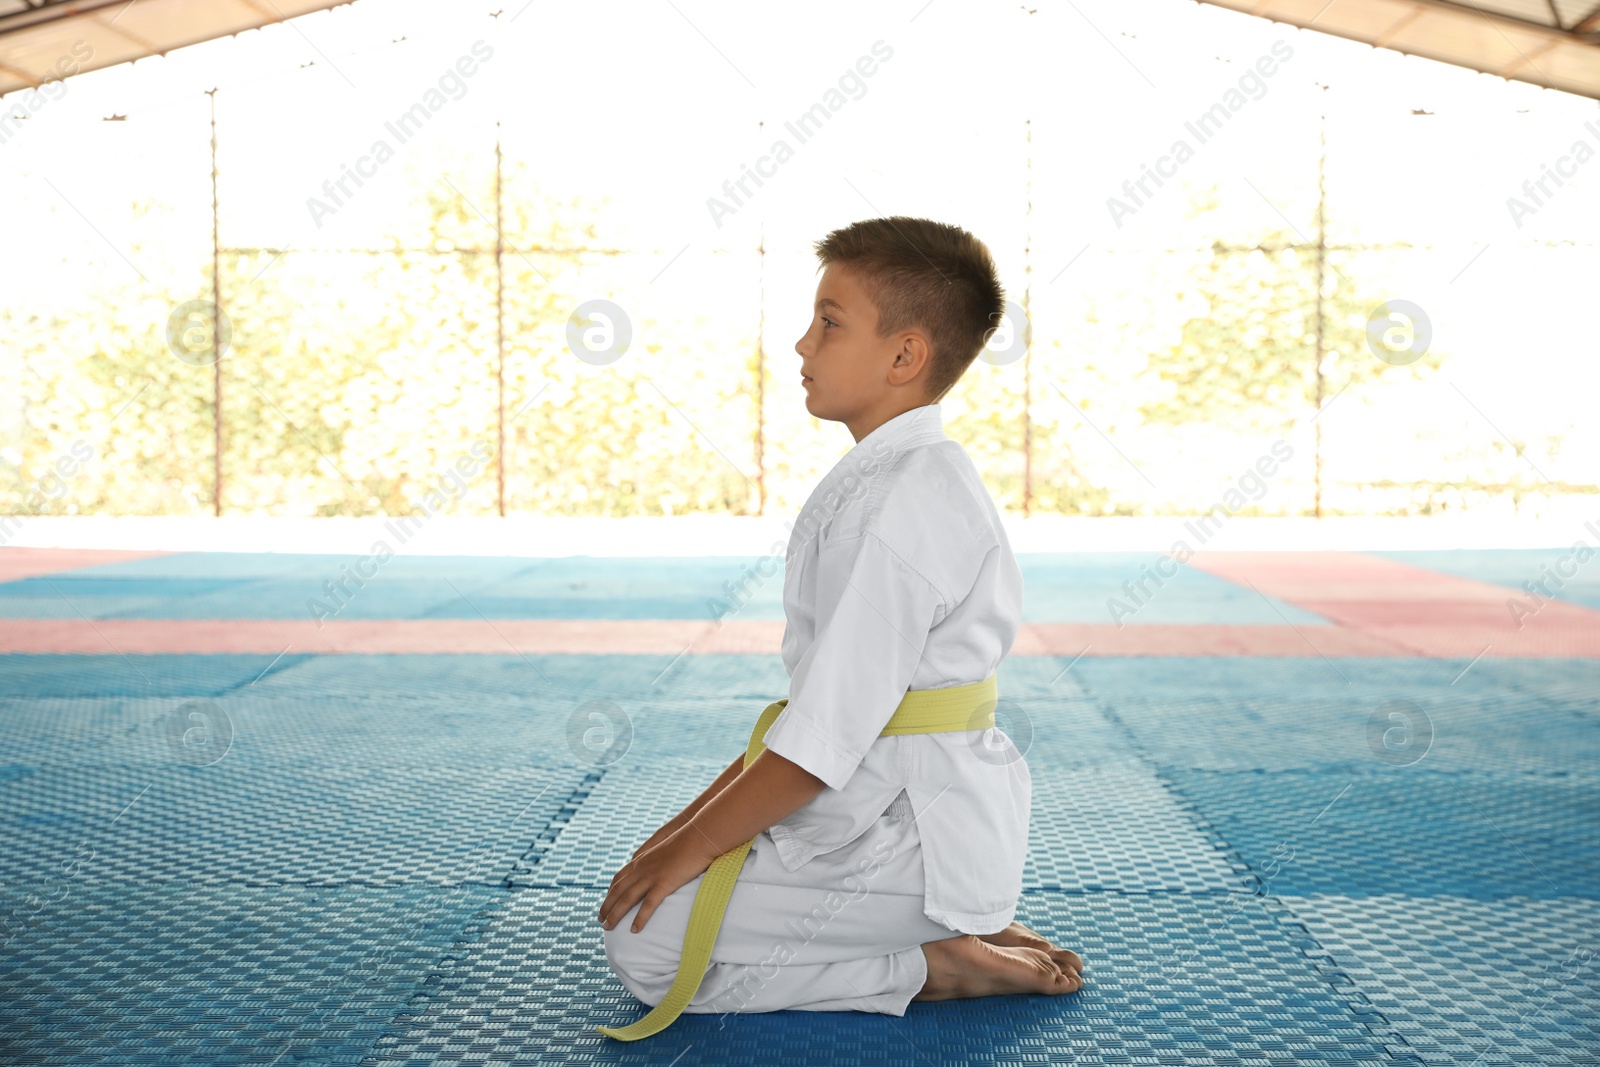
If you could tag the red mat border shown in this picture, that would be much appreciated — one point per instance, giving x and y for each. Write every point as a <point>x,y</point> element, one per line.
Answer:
<point>1374,606</point>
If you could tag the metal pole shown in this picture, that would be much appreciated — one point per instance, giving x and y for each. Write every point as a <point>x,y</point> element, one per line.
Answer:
<point>1027,333</point>
<point>761,364</point>
<point>500,326</point>
<point>1322,257</point>
<point>216,322</point>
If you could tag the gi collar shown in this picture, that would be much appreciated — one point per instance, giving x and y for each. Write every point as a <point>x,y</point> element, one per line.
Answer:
<point>907,430</point>
<point>918,426</point>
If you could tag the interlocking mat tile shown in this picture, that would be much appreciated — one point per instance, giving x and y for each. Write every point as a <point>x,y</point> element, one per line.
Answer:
<point>1055,734</point>
<point>1408,830</point>
<point>150,676</point>
<point>1442,729</point>
<point>1103,588</point>
<point>1557,568</point>
<point>303,822</point>
<point>1298,808</point>
<point>239,585</point>
<point>258,725</point>
<point>1116,830</point>
<point>1513,981</point>
<point>622,810</point>
<point>1167,983</point>
<point>185,974</point>
<point>574,678</point>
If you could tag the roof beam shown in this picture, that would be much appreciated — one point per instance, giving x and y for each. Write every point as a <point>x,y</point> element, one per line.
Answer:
<point>57,11</point>
<point>1482,38</point>
<point>56,39</point>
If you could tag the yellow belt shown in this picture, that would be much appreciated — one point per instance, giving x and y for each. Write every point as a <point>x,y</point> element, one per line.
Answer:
<point>922,711</point>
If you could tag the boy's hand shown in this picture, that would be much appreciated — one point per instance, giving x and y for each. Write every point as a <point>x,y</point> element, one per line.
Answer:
<point>769,790</point>
<point>667,830</point>
<point>654,873</point>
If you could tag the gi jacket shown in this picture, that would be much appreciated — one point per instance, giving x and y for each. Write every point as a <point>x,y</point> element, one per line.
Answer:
<point>899,576</point>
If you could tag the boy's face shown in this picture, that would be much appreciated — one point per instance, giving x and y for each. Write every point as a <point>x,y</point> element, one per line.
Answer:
<point>849,373</point>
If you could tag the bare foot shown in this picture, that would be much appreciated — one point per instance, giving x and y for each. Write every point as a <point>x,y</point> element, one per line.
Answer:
<point>963,966</point>
<point>1018,936</point>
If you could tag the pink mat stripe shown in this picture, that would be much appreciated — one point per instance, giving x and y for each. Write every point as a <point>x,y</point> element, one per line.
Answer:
<point>19,563</point>
<point>1425,612</point>
<point>1376,607</point>
<point>1213,639</point>
<point>420,636</point>
<point>671,637</point>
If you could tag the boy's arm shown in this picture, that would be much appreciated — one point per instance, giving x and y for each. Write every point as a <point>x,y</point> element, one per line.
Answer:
<point>768,791</point>
<point>673,824</point>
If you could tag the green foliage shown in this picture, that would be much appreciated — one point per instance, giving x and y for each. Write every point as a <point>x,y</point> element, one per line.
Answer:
<point>1247,357</point>
<point>355,379</point>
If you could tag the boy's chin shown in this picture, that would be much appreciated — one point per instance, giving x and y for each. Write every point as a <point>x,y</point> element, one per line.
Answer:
<point>820,410</point>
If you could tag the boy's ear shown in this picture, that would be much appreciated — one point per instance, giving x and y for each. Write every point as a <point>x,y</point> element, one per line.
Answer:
<point>913,356</point>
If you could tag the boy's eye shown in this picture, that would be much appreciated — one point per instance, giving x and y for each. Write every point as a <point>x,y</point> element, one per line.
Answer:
<point>829,321</point>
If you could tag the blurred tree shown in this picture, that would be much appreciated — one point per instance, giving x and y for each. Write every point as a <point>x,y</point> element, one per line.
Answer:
<point>355,379</point>
<point>1247,359</point>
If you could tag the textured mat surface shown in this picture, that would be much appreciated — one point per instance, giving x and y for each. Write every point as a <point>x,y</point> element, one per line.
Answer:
<point>1118,830</point>
<point>1104,587</point>
<point>616,817</point>
<point>1435,728</point>
<point>242,585</point>
<point>149,676</point>
<point>396,858</point>
<point>535,983</point>
<point>573,678</point>
<point>306,823</point>
<point>262,726</point>
<point>1407,830</point>
<point>1557,568</point>
<point>185,974</point>
<point>1515,981</point>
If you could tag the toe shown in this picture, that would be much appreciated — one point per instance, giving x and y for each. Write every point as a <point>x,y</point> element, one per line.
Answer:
<point>1070,981</point>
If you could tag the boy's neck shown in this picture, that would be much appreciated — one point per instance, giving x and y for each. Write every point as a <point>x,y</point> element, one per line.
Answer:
<point>862,425</point>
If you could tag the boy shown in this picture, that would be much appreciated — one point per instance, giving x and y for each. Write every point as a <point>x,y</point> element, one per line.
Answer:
<point>882,867</point>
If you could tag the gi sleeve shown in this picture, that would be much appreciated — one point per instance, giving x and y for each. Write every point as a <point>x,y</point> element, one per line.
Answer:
<point>851,679</point>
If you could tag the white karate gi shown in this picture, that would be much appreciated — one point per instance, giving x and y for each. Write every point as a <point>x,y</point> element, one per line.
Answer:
<point>898,576</point>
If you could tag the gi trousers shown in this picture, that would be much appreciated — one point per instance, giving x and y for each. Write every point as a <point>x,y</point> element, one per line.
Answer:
<point>842,933</point>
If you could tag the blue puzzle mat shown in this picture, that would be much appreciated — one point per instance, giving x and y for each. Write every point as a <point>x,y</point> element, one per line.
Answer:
<point>397,859</point>
<point>1172,977</point>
